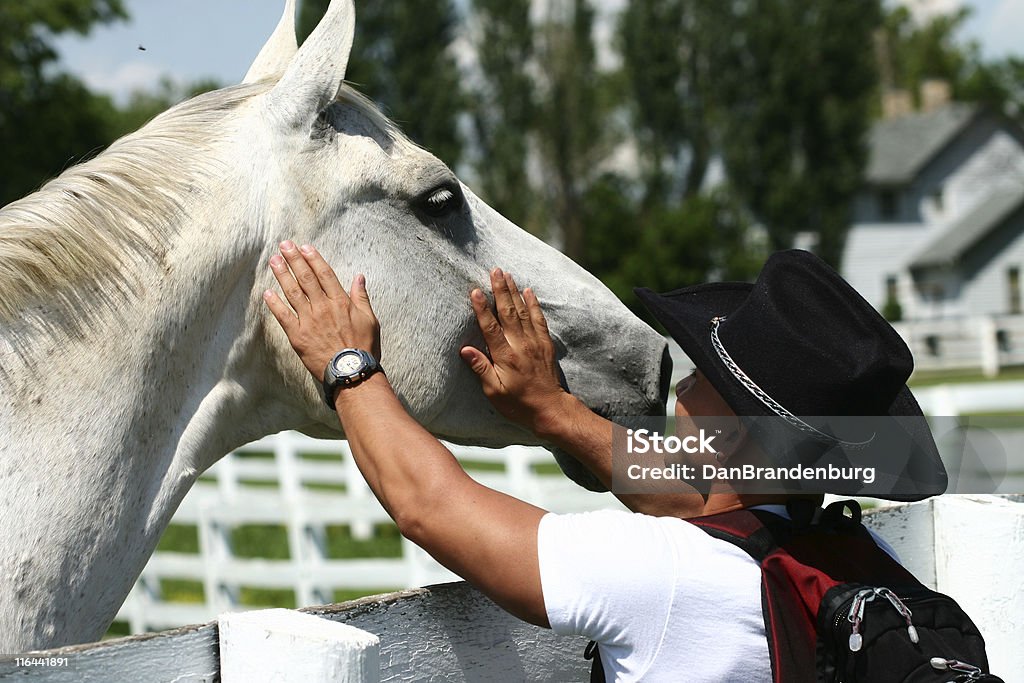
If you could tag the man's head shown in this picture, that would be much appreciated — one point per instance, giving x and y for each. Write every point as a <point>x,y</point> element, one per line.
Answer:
<point>810,368</point>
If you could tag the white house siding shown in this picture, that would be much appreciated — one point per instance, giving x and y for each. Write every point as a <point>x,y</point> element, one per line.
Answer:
<point>985,289</point>
<point>875,251</point>
<point>999,161</point>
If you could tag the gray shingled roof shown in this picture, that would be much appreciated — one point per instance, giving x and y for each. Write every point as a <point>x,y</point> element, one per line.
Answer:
<point>969,229</point>
<point>900,148</point>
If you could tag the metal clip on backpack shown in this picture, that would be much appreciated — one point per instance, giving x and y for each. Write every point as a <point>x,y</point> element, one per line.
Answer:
<point>837,608</point>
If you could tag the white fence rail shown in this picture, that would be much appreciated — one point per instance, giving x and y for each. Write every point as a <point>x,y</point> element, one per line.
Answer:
<point>987,343</point>
<point>286,488</point>
<point>968,546</point>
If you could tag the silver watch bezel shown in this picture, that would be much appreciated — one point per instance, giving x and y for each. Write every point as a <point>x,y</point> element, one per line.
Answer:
<point>333,379</point>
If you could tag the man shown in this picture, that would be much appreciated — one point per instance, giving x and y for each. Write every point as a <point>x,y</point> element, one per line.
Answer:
<point>665,600</point>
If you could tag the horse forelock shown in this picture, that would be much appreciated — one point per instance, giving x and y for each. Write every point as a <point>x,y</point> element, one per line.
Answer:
<point>64,249</point>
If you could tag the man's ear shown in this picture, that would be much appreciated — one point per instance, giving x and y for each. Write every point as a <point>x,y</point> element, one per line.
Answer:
<point>736,439</point>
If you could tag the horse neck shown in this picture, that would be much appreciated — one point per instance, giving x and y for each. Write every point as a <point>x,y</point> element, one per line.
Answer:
<point>101,438</point>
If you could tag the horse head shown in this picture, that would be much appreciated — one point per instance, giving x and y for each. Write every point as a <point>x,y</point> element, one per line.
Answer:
<point>373,202</point>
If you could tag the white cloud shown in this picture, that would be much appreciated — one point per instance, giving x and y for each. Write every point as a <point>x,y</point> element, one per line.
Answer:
<point>121,81</point>
<point>924,10</point>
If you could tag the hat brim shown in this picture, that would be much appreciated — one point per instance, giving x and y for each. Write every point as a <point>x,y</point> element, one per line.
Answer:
<point>686,315</point>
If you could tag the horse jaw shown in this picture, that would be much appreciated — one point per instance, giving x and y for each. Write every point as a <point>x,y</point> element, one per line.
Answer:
<point>275,56</point>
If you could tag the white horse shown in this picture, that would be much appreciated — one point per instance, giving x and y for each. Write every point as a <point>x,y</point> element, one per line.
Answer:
<point>134,346</point>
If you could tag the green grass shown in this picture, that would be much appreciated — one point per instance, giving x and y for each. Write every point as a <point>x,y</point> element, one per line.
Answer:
<point>996,420</point>
<point>180,538</point>
<point>267,597</point>
<point>385,542</point>
<point>482,466</point>
<point>118,629</point>
<point>931,378</point>
<point>268,541</point>
<point>546,468</point>
<point>182,590</point>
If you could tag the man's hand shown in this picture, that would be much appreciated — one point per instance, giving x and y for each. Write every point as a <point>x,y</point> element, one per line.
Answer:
<point>322,318</point>
<point>520,378</point>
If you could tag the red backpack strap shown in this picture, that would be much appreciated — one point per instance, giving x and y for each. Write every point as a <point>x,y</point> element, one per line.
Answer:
<point>800,562</point>
<point>747,529</point>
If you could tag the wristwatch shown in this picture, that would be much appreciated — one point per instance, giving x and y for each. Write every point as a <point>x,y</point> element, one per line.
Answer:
<point>348,368</point>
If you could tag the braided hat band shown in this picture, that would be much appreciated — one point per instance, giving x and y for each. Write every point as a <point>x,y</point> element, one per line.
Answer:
<point>769,402</point>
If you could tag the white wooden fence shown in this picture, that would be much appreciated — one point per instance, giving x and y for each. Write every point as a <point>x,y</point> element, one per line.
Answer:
<point>286,488</point>
<point>969,546</point>
<point>984,342</point>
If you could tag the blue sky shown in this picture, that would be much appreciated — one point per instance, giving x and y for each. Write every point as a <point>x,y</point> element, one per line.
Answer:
<point>193,39</point>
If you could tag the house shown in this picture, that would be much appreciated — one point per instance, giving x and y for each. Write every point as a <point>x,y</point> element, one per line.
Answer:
<point>939,225</point>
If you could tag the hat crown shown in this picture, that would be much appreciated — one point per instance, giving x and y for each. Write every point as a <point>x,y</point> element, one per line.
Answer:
<point>811,342</point>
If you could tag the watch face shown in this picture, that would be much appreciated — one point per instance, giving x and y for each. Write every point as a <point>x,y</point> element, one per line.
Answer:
<point>348,364</point>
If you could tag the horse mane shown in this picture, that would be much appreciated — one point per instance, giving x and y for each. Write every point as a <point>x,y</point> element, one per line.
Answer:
<point>63,249</point>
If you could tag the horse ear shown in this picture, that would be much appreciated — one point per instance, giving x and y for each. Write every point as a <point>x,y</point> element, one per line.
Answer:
<point>315,75</point>
<point>273,59</point>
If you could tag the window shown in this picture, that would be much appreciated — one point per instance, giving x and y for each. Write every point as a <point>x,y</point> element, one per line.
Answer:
<point>1013,285</point>
<point>887,204</point>
<point>1003,342</point>
<point>932,345</point>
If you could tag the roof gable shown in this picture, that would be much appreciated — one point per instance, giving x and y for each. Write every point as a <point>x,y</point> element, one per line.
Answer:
<point>901,148</point>
<point>962,234</point>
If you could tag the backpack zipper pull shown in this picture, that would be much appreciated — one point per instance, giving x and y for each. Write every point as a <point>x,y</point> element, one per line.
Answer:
<point>856,616</point>
<point>902,609</point>
<point>943,664</point>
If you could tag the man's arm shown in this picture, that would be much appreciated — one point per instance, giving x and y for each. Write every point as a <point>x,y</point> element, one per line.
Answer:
<point>486,537</point>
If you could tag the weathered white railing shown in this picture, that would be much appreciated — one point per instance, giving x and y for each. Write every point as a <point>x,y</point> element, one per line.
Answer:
<point>969,546</point>
<point>286,489</point>
<point>983,342</point>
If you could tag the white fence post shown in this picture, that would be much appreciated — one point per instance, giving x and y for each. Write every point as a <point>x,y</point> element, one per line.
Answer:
<point>979,560</point>
<point>969,547</point>
<point>284,646</point>
<point>989,346</point>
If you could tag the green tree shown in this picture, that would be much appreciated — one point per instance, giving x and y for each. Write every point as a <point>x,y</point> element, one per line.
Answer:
<point>402,58</point>
<point>574,128</point>
<point>998,84</point>
<point>666,51</point>
<point>48,119</point>
<point>665,246</point>
<point>795,87</point>
<point>503,107</point>
<point>910,53</point>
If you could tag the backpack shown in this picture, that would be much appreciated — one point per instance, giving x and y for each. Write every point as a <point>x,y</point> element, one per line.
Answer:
<point>838,608</point>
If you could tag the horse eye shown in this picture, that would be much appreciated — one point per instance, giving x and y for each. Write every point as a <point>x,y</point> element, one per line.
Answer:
<point>441,202</point>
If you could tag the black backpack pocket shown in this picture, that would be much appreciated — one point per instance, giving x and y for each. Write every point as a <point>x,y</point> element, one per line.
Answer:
<point>909,634</point>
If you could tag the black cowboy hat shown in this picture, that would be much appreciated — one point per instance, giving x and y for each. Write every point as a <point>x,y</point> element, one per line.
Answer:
<point>802,350</point>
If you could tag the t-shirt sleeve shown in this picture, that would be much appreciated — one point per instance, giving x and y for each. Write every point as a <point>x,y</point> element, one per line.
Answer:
<point>606,573</point>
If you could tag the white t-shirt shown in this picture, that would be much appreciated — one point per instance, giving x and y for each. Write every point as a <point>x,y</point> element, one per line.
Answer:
<point>665,600</point>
